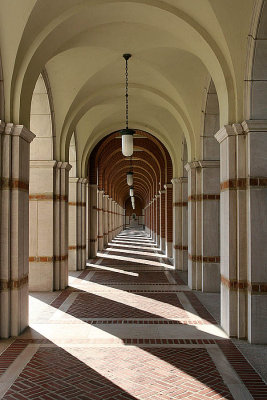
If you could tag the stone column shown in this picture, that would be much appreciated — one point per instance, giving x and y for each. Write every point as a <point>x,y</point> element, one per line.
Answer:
<point>244,230</point>
<point>168,219</point>
<point>209,201</point>
<point>109,219</point>
<point>100,221</point>
<point>83,221</point>
<point>162,221</point>
<point>14,261</point>
<point>62,225</point>
<point>87,218</point>
<point>105,208</point>
<point>73,224</point>
<point>41,233</point>
<point>158,219</point>
<point>93,221</point>
<point>194,265</point>
<point>180,223</point>
<point>113,218</point>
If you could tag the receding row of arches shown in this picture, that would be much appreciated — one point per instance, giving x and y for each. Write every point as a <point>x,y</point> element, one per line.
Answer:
<point>199,170</point>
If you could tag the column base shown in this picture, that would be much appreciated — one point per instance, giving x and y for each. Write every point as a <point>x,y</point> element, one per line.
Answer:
<point>41,277</point>
<point>162,245</point>
<point>257,318</point>
<point>211,277</point>
<point>169,249</point>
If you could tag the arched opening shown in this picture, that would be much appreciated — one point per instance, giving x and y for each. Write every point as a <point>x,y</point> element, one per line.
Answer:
<point>111,209</point>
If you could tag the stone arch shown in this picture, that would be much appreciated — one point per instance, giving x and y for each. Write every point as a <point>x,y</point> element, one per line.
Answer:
<point>2,97</point>
<point>255,103</point>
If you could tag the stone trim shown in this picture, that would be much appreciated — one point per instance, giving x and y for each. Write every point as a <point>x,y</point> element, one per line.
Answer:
<point>39,197</point>
<point>202,197</point>
<point>13,184</point>
<point>195,258</point>
<point>77,247</point>
<point>47,258</point>
<point>180,247</point>
<point>252,287</point>
<point>180,204</point>
<point>93,240</point>
<point>77,203</point>
<point>60,197</point>
<point>243,183</point>
<point>6,284</point>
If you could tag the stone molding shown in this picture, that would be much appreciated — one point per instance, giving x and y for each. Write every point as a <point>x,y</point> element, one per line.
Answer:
<point>209,164</point>
<point>191,165</point>
<point>73,179</point>
<point>168,186</point>
<point>44,164</point>
<point>19,130</point>
<point>182,179</point>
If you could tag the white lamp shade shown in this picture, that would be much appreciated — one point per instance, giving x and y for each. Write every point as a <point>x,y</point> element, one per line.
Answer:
<point>130,178</point>
<point>131,192</point>
<point>127,145</point>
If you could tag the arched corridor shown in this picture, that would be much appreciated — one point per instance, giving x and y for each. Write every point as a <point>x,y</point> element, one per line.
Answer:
<point>127,327</point>
<point>133,201</point>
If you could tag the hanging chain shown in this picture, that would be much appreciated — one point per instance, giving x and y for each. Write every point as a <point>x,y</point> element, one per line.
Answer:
<point>126,94</point>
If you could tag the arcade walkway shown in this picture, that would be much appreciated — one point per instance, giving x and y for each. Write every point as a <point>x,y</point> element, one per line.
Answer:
<point>126,328</point>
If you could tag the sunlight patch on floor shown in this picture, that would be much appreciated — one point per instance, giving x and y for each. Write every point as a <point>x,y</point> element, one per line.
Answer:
<point>111,269</point>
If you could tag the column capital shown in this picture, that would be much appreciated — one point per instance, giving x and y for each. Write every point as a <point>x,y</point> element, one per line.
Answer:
<point>17,130</point>
<point>101,192</point>
<point>162,191</point>
<point>65,165</point>
<point>106,195</point>
<point>182,179</point>
<point>191,165</point>
<point>157,196</point>
<point>168,186</point>
<point>228,130</point>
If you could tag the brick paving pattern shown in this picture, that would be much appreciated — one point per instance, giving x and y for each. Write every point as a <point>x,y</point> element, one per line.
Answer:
<point>157,373</point>
<point>146,361</point>
<point>88,305</point>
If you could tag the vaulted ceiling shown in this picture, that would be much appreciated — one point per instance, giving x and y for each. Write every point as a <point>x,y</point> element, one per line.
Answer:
<point>177,47</point>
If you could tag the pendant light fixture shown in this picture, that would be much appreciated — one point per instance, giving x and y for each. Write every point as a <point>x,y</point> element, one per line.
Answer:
<point>131,191</point>
<point>127,134</point>
<point>130,178</point>
<point>129,174</point>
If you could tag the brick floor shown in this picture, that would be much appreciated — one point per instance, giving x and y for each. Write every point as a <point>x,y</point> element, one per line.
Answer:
<point>163,353</point>
<point>139,373</point>
<point>147,305</point>
<point>143,277</point>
